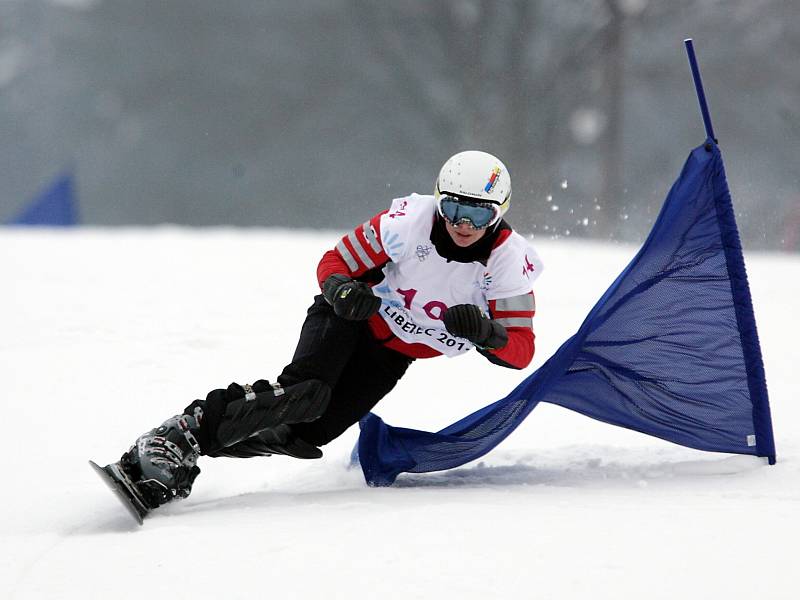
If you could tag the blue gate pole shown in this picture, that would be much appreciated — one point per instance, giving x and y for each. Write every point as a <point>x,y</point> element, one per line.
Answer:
<point>698,84</point>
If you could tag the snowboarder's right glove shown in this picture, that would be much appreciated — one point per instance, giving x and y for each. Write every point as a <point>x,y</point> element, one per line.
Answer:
<point>351,300</point>
<point>468,321</point>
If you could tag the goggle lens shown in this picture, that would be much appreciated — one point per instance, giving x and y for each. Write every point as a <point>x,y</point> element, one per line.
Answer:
<point>477,214</point>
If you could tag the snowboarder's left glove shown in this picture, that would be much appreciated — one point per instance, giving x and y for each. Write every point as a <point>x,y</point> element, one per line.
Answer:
<point>467,321</point>
<point>351,300</point>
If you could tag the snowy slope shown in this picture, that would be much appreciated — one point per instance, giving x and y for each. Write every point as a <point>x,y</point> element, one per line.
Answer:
<point>106,333</point>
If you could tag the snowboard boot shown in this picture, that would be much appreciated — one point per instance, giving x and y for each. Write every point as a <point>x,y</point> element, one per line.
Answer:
<point>162,463</point>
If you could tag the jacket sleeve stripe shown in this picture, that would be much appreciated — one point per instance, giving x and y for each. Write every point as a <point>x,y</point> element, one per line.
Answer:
<point>348,258</point>
<point>359,249</point>
<point>356,253</point>
<point>372,239</point>
<point>516,315</point>
<point>509,314</point>
<point>524,302</point>
<point>526,322</point>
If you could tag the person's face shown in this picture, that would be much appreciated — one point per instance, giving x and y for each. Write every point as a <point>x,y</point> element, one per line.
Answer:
<point>463,234</point>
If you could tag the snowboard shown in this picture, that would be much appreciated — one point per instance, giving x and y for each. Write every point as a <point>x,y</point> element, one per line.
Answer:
<point>124,489</point>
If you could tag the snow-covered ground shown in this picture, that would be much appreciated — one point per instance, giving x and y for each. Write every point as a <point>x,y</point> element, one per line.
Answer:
<point>107,332</point>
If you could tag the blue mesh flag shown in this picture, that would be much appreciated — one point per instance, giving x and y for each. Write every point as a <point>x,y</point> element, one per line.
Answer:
<point>670,349</point>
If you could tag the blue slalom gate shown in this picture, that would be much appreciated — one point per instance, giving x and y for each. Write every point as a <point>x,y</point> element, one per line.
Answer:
<point>671,349</point>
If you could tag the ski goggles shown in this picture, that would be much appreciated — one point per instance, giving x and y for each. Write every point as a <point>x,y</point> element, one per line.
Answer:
<point>459,210</point>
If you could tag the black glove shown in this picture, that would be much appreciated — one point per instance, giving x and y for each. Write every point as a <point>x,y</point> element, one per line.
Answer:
<point>467,321</point>
<point>351,300</point>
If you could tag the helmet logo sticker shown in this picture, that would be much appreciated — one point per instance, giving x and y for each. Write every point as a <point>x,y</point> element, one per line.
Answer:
<point>493,177</point>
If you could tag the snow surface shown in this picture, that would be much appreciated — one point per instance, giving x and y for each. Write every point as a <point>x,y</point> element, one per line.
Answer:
<point>108,332</point>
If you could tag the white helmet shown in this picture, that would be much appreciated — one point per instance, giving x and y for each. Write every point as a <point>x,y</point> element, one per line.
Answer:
<point>475,177</point>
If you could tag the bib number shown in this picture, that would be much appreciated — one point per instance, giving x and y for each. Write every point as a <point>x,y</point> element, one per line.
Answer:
<point>434,309</point>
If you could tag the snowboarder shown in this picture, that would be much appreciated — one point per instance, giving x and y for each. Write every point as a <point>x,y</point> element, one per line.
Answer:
<point>433,275</point>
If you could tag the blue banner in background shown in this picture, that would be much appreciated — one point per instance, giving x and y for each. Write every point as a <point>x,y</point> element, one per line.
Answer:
<point>56,206</point>
<point>670,350</point>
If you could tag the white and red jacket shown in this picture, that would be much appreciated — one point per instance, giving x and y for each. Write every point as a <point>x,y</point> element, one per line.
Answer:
<point>416,284</point>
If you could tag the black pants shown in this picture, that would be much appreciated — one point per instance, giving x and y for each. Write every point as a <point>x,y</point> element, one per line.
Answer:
<point>342,353</point>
